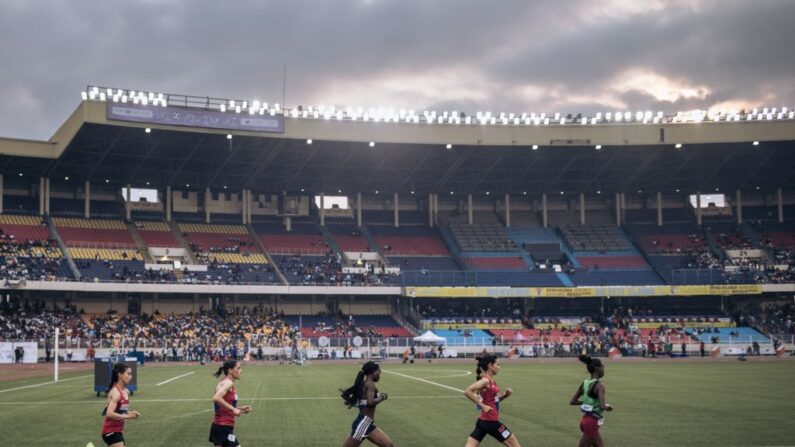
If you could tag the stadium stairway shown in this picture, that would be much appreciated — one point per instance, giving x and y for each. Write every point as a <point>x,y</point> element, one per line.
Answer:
<point>368,236</point>
<point>327,236</point>
<point>139,243</point>
<point>565,248</point>
<point>64,250</point>
<point>748,232</point>
<point>564,278</point>
<point>712,244</point>
<point>182,242</point>
<point>452,246</point>
<point>261,246</point>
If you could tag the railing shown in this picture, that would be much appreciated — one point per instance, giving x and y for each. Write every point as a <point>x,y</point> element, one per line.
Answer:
<point>101,245</point>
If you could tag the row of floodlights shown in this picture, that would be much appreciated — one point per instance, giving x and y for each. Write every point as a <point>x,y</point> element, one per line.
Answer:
<point>390,114</point>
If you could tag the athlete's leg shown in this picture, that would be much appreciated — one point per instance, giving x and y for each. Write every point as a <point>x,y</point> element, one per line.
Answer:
<point>472,442</point>
<point>350,442</point>
<point>585,441</point>
<point>379,438</point>
<point>512,441</point>
<point>597,441</point>
<point>118,444</point>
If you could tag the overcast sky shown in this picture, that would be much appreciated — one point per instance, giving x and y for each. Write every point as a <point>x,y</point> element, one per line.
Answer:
<point>578,56</point>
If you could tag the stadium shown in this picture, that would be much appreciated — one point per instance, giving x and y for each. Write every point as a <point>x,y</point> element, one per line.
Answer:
<point>175,231</point>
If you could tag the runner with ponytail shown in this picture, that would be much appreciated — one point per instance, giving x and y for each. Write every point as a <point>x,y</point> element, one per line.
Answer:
<point>222,432</point>
<point>485,394</point>
<point>590,396</point>
<point>364,395</point>
<point>117,409</point>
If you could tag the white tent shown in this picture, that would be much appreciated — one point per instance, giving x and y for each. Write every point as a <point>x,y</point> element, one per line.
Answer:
<point>430,337</point>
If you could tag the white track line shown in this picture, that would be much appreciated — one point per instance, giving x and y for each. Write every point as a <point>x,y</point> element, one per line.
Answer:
<point>425,396</point>
<point>186,415</point>
<point>423,380</point>
<point>42,384</point>
<point>175,378</point>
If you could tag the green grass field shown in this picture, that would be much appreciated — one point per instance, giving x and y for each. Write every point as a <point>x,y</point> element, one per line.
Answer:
<point>666,403</point>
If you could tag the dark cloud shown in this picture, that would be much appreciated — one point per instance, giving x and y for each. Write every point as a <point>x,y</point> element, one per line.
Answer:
<point>569,51</point>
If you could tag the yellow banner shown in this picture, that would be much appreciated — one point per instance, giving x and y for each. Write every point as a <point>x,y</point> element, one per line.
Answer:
<point>579,292</point>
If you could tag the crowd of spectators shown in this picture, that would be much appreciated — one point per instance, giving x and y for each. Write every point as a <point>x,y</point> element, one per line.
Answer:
<point>31,260</point>
<point>328,269</point>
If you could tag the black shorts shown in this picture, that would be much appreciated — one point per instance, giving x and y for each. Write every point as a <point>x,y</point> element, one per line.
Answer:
<point>223,435</point>
<point>362,427</point>
<point>113,438</point>
<point>496,429</point>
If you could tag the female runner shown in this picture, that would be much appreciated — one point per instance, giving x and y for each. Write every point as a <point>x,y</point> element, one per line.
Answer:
<point>222,432</point>
<point>485,394</point>
<point>590,396</point>
<point>117,409</point>
<point>365,395</point>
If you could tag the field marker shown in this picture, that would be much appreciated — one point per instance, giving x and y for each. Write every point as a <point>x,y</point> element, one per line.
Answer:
<point>42,384</point>
<point>175,378</point>
<point>423,380</point>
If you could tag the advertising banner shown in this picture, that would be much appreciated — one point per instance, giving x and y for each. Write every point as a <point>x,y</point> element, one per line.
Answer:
<point>177,116</point>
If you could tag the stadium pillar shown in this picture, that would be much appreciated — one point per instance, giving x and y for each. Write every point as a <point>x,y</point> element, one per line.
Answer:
<point>1,193</point>
<point>168,204</point>
<point>322,209</point>
<point>249,202</point>
<point>430,209</point>
<point>618,209</point>
<point>396,205</point>
<point>128,196</point>
<point>623,207</point>
<point>243,206</point>
<point>436,209</point>
<point>359,209</point>
<point>780,200</point>
<point>698,207</point>
<point>582,208</point>
<point>469,209</point>
<point>544,215</point>
<point>41,196</point>
<point>507,210</point>
<point>659,209</point>
<point>207,205</point>
<point>47,195</point>
<point>739,207</point>
<point>87,200</point>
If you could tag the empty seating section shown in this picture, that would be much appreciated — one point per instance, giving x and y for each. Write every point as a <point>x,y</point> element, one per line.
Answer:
<point>378,216</point>
<point>599,238</point>
<point>156,234</point>
<point>496,263</point>
<point>189,217</point>
<point>482,238</point>
<point>613,262</point>
<point>110,270</point>
<point>667,239</point>
<point>104,254</point>
<point>408,240</point>
<point>97,233</point>
<point>776,235</point>
<point>769,213</point>
<point>222,243</point>
<point>305,238</point>
<point>419,263</point>
<point>212,229</point>
<point>67,207</point>
<point>24,228</point>
<point>729,237</point>
<point>640,216</point>
<point>141,215</point>
<point>20,204</point>
<point>348,238</point>
<point>615,277</point>
<point>384,324</point>
<point>106,208</point>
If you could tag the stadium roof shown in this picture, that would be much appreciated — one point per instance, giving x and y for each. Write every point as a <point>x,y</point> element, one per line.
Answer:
<point>406,157</point>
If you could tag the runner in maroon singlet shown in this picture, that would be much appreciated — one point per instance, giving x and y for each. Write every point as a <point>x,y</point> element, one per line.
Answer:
<point>222,432</point>
<point>485,394</point>
<point>117,409</point>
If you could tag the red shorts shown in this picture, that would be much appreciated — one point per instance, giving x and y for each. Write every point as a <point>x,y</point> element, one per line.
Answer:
<point>589,426</point>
